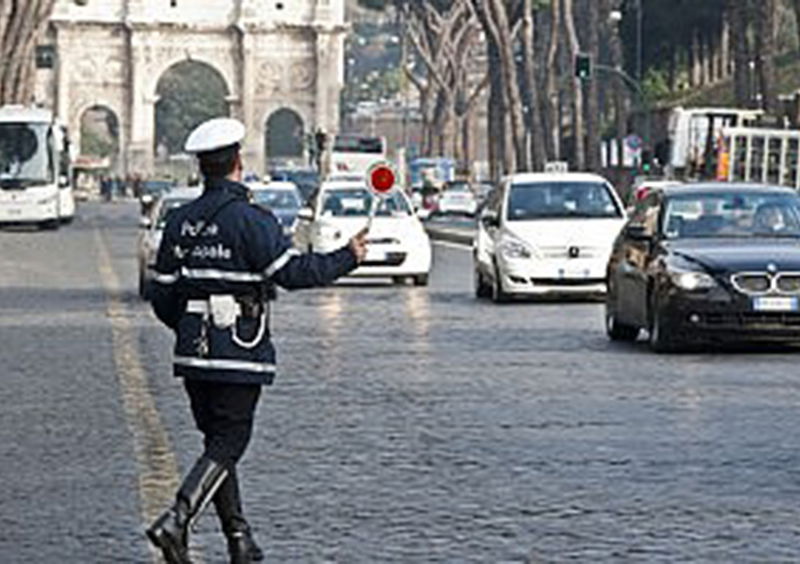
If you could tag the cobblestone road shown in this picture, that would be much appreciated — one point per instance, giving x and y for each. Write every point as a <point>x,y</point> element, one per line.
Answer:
<point>406,425</point>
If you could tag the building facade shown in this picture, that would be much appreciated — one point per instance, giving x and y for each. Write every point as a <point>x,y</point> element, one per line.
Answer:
<point>281,62</point>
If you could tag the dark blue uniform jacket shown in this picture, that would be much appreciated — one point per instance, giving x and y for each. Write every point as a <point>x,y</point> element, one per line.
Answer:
<point>222,244</point>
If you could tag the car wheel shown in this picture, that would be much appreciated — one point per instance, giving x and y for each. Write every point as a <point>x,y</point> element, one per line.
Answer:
<point>499,295</point>
<point>482,288</point>
<point>617,331</point>
<point>660,339</point>
<point>421,280</point>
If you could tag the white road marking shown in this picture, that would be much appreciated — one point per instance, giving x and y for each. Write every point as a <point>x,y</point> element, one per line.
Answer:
<point>157,466</point>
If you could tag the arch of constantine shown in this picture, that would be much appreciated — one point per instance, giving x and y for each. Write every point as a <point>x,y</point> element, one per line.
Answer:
<point>277,58</point>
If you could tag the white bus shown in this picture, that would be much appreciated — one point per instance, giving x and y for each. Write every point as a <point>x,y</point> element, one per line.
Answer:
<point>35,179</point>
<point>352,155</point>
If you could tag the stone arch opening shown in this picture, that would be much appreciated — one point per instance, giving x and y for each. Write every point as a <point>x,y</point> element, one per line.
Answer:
<point>284,136</point>
<point>189,92</point>
<point>100,135</point>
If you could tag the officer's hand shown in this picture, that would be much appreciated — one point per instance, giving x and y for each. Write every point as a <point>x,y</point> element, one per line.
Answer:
<point>358,244</point>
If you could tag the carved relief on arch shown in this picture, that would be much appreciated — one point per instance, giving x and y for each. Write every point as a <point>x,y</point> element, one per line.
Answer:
<point>302,75</point>
<point>270,78</point>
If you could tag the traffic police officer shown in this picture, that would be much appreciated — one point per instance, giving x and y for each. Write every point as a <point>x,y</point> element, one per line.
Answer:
<point>216,271</point>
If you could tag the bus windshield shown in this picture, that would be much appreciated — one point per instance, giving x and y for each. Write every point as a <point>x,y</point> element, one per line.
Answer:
<point>24,158</point>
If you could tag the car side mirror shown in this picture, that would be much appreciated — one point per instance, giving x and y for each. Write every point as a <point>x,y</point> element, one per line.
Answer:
<point>306,214</point>
<point>490,218</point>
<point>145,222</point>
<point>63,181</point>
<point>637,232</point>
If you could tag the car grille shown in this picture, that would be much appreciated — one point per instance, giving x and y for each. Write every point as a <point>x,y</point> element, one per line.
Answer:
<point>753,319</point>
<point>392,259</point>
<point>560,251</point>
<point>568,281</point>
<point>759,283</point>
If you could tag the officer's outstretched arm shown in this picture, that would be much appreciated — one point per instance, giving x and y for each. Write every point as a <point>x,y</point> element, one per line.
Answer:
<point>166,303</point>
<point>272,253</point>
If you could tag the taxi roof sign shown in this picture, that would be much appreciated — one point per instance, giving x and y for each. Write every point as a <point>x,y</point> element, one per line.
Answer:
<point>556,166</point>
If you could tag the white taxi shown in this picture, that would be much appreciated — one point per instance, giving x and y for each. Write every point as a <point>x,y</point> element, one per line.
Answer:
<point>398,246</point>
<point>546,233</point>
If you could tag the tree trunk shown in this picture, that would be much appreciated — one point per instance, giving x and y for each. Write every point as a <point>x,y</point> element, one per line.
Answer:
<point>737,12</point>
<point>577,87</point>
<point>796,6</point>
<point>552,114</point>
<point>620,113</point>
<point>501,159</point>
<point>765,47</point>
<point>593,101</point>
<point>538,154</point>
<point>500,29</point>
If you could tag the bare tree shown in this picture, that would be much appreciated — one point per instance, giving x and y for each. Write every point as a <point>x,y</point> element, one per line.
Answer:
<point>22,22</point>
<point>444,40</point>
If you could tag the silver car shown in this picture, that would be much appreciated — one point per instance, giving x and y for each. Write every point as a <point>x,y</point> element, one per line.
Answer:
<point>152,228</point>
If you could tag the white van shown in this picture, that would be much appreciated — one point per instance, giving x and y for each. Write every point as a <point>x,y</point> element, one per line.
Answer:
<point>546,233</point>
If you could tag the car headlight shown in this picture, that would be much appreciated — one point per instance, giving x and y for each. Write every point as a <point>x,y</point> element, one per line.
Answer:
<point>691,280</point>
<point>515,249</point>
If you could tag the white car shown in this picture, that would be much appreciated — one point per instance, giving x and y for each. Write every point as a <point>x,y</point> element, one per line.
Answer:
<point>458,200</point>
<point>543,233</point>
<point>398,246</point>
<point>152,229</point>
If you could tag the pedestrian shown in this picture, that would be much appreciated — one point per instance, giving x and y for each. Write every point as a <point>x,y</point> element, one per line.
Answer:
<point>106,188</point>
<point>216,272</point>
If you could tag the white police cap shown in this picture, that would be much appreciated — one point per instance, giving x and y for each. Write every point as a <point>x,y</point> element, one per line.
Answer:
<point>215,134</point>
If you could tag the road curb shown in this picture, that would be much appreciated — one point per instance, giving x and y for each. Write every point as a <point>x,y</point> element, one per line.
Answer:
<point>459,236</point>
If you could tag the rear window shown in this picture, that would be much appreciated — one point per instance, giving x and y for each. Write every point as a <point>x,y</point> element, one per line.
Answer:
<point>350,202</point>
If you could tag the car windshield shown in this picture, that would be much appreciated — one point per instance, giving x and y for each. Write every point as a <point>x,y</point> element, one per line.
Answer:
<point>167,209</point>
<point>24,158</point>
<point>557,200</point>
<point>277,199</point>
<point>156,187</point>
<point>358,202</point>
<point>732,214</point>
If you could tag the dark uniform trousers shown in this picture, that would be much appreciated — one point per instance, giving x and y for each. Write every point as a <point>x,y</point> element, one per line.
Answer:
<point>224,414</point>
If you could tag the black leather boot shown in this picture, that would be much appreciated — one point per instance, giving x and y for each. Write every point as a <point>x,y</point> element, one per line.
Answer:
<point>170,532</point>
<point>241,546</point>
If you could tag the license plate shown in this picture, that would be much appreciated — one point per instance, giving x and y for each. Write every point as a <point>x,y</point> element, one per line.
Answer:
<point>376,256</point>
<point>14,212</point>
<point>571,274</point>
<point>775,303</point>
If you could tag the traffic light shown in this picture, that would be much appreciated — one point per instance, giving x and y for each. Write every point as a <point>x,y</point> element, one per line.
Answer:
<point>583,66</point>
<point>45,56</point>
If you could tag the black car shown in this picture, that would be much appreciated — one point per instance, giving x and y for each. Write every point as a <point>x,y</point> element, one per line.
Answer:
<point>707,263</point>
